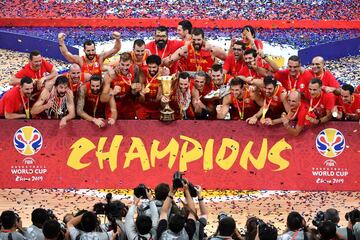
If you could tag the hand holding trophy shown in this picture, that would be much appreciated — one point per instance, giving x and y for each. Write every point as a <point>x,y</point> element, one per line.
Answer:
<point>167,114</point>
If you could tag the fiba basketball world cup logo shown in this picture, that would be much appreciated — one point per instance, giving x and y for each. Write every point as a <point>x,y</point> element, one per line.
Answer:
<point>27,140</point>
<point>330,142</point>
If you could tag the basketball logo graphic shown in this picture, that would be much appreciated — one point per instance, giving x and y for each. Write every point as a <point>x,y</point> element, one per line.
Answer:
<point>28,140</point>
<point>330,142</point>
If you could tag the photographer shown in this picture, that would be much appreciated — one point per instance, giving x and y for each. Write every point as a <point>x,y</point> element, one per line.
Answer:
<point>115,211</point>
<point>353,226</point>
<point>356,230</point>
<point>332,215</point>
<point>38,217</point>
<point>88,222</point>
<point>296,228</point>
<point>251,228</point>
<point>201,221</point>
<point>226,228</point>
<point>11,222</point>
<point>161,193</point>
<point>52,231</point>
<point>144,227</point>
<point>179,226</point>
<point>266,231</point>
<point>327,231</point>
<point>257,229</point>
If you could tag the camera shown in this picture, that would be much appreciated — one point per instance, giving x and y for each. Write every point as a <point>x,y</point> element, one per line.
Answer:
<point>318,219</point>
<point>222,215</point>
<point>115,208</point>
<point>178,182</point>
<point>267,231</point>
<point>260,223</point>
<point>17,217</point>
<point>51,214</point>
<point>100,208</point>
<point>140,191</point>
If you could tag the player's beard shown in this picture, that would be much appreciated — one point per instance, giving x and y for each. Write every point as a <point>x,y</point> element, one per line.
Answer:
<point>183,90</point>
<point>197,46</point>
<point>62,94</point>
<point>153,73</point>
<point>75,80</point>
<point>95,91</point>
<point>90,56</point>
<point>161,43</point>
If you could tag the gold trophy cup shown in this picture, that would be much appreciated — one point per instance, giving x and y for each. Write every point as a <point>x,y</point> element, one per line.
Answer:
<point>167,114</point>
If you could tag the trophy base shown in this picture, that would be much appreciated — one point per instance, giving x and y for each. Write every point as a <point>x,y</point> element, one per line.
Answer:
<point>167,114</point>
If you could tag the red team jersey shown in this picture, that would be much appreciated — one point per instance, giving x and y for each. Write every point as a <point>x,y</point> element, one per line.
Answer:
<point>350,108</point>
<point>233,66</point>
<point>247,72</point>
<point>298,117</point>
<point>27,71</point>
<point>14,102</point>
<point>258,44</point>
<point>125,103</point>
<point>300,82</point>
<point>142,63</point>
<point>198,61</point>
<point>93,106</point>
<point>242,108</point>
<point>357,90</point>
<point>170,47</point>
<point>75,86</point>
<point>319,105</point>
<point>93,68</point>
<point>327,79</point>
<point>150,108</point>
<point>274,103</point>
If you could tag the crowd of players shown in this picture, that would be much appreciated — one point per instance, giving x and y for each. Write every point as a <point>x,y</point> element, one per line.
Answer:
<point>248,85</point>
<point>198,9</point>
<point>157,216</point>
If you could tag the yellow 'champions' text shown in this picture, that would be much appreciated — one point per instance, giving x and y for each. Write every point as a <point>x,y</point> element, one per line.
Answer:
<point>188,151</point>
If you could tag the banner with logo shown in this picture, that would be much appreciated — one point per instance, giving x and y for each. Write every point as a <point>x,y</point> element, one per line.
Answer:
<point>214,154</point>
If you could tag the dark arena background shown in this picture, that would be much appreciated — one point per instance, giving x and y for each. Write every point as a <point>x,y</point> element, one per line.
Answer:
<point>244,170</point>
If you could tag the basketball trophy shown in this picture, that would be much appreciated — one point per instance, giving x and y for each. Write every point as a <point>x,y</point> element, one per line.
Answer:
<point>167,114</point>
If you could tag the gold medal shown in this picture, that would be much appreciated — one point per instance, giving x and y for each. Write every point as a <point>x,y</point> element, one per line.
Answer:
<point>264,111</point>
<point>241,115</point>
<point>146,89</point>
<point>27,113</point>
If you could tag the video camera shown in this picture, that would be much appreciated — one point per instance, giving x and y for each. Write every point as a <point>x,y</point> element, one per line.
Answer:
<point>260,223</point>
<point>111,208</point>
<point>140,191</point>
<point>267,231</point>
<point>51,214</point>
<point>102,208</point>
<point>222,215</point>
<point>178,182</point>
<point>318,219</point>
